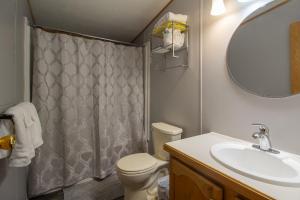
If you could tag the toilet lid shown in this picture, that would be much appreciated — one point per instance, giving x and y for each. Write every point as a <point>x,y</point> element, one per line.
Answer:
<point>136,162</point>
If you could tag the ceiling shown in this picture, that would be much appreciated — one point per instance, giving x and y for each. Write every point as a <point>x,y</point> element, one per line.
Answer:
<point>114,19</point>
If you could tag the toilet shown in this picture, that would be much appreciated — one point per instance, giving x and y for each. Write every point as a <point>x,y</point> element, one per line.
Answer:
<point>139,172</point>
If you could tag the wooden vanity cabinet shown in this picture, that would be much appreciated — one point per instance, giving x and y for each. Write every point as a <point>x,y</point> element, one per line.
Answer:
<point>193,180</point>
<point>189,185</point>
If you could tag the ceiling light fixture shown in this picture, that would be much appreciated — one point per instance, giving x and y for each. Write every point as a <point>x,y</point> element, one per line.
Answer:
<point>244,1</point>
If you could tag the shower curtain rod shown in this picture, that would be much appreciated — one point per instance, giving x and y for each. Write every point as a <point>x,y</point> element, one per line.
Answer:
<point>55,30</point>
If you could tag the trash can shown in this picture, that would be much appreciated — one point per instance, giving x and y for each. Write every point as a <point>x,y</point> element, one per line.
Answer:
<point>163,188</point>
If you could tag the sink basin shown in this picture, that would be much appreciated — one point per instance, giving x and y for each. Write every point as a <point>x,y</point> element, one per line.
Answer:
<point>279,169</point>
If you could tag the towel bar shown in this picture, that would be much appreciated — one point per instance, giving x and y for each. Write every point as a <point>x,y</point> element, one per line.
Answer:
<point>7,142</point>
<point>6,116</point>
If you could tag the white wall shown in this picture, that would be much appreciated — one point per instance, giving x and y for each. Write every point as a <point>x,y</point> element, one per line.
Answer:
<point>175,93</point>
<point>228,109</point>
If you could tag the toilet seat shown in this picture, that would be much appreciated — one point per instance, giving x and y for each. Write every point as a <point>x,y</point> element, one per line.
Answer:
<point>137,163</point>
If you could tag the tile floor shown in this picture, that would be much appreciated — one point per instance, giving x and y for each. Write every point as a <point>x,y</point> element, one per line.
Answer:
<point>108,189</point>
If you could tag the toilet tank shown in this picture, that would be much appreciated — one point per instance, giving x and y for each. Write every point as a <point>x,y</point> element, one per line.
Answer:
<point>161,134</point>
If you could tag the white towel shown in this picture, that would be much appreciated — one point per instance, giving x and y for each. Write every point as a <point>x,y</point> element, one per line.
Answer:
<point>28,134</point>
<point>33,123</point>
<point>171,17</point>
<point>6,128</point>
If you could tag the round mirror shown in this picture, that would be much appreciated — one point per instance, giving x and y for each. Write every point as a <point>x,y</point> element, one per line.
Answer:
<point>264,53</point>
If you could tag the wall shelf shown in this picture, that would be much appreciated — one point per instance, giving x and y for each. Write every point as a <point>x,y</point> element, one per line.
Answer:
<point>167,49</point>
<point>170,51</point>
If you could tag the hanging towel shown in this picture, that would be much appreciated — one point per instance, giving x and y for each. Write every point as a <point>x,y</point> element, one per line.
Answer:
<point>6,128</point>
<point>28,134</point>
<point>32,122</point>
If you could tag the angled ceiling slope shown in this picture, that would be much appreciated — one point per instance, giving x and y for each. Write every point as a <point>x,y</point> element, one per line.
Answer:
<point>114,19</point>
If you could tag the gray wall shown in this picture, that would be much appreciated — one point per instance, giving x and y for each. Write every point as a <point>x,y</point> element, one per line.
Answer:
<point>175,93</point>
<point>12,180</point>
<point>228,109</point>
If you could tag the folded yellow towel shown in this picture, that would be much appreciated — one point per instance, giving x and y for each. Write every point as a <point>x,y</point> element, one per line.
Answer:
<point>158,31</point>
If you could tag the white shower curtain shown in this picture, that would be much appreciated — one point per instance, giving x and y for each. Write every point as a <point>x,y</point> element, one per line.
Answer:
<point>89,95</point>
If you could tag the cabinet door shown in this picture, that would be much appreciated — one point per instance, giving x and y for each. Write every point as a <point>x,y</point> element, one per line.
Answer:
<point>186,184</point>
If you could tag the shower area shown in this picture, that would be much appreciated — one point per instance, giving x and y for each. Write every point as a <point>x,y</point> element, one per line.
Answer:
<point>90,97</point>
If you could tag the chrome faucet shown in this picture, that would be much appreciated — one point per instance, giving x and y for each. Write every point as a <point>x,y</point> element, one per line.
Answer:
<point>263,137</point>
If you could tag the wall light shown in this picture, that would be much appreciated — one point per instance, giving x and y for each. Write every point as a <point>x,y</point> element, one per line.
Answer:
<point>217,8</point>
<point>244,1</point>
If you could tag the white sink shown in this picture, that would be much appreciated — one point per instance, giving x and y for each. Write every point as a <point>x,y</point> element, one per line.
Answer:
<point>280,169</point>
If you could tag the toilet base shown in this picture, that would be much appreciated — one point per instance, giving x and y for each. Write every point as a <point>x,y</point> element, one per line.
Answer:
<point>147,194</point>
<point>135,194</point>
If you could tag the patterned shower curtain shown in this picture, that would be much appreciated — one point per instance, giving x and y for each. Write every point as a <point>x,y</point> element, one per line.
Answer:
<point>89,96</point>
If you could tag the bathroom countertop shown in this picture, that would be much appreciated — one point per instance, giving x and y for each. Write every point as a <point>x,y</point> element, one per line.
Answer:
<point>198,148</point>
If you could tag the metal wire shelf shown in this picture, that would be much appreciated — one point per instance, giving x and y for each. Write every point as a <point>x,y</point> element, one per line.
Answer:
<point>170,49</point>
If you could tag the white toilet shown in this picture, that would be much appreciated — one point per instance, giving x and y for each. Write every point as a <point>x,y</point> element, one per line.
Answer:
<point>139,172</point>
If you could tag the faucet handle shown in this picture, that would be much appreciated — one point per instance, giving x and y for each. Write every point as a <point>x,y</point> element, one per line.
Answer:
<point>262,128</point>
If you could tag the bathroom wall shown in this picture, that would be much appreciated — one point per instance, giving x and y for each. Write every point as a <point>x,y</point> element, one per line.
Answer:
<point>228,109</point>
<point>12,180</point>
<point>11,51</point>
<point>175,93</point>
